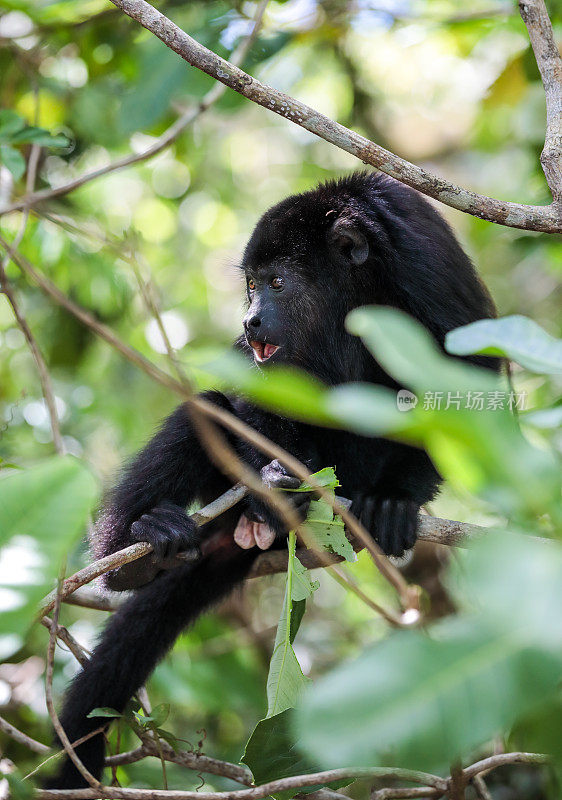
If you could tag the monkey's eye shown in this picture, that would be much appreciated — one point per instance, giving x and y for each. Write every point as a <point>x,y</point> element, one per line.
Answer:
<point>251,285</point>
<point>277,283</point>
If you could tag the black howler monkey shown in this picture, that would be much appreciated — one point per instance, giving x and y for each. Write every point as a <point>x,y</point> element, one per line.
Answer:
<point>311,259</point>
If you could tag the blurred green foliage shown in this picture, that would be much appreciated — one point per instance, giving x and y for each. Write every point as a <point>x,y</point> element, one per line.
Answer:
<point>456,92</point>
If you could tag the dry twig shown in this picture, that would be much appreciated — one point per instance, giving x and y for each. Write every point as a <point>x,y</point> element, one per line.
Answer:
<point>61,733</point>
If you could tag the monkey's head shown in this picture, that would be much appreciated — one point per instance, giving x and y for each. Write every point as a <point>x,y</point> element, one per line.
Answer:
<point>361,240</point>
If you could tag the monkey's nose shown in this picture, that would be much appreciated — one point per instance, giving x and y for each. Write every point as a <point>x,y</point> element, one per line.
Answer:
<point>253,324</point>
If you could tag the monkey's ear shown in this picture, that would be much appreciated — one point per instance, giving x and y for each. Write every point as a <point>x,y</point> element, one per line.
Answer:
<point>348,240</point>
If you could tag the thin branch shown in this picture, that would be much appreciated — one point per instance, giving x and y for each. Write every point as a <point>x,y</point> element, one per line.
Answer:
<point>161,143</point>
<point>80,653</point>
<point>350,585</point>
<point>403,793</point>
<point>535,16</point>
<point>501,759</point>
<point>61,733</point>
<point>539,218</point>
<point>62,751</point>
<point>22,738</point>
<point>480,788</point>
<point>87,598</point>
<point>7,289</point>
<point>45,379</point>
<point>185,758</point>
<point>253,793</point>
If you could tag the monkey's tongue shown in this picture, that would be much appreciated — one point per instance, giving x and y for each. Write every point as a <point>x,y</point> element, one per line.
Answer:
<point>264,351</point>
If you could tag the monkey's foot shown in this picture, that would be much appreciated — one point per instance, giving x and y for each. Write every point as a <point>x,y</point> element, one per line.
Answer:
<point>392,522</point>
<point>249,533</point>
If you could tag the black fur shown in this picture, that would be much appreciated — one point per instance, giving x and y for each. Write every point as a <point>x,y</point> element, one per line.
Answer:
<point>363,239</point>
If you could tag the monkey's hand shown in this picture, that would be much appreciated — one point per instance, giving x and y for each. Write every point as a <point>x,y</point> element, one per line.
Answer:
<point>168,529</point>
<point>391,521</point>
<point>259,516</point>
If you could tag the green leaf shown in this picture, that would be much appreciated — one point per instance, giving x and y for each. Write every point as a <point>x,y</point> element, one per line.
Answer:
<point>272,753</point>
<point>282,389</point>
<point>523,594</point>
<point>12,160</point>
<point>328,530</point>
<point>43,509</point>
<point>20,789</point>
<point>158,715</point>
<point>545,418</point>
<point>517,337</point>
<point>297,613</point>
<point>425,701</point>
<point>103,711</point>
<point>169,737</point>
<point>367,409</point>
<point>10,124</point>
<point>477,449</point>
<point>303,587</point>
<point>39,136</point>
<point>541,732</point>
<point>285,681</point>
<point>326,478</point>
<point>408,352</point>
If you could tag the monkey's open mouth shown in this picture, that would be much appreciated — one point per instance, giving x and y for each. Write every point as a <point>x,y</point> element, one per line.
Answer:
<point>263,351</point>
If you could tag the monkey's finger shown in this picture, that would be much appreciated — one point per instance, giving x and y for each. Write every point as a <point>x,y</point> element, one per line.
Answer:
<point>172,514</point>
<point>166,539</point>
<point>384,527</point>
<point>263,535</point>
<point>410,523</point>
<point>244,533</point>
<point>393,527</point>
<point>280,481</point>
<point>356,505</point>
<point>144,531</point>
<point>367,517</point>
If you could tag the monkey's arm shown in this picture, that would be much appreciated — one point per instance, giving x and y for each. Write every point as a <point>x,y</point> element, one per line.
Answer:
<point>148,504</point>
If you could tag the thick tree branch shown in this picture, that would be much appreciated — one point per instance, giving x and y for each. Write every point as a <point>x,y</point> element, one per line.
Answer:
<point>535,16</point>
<point>538,218</point>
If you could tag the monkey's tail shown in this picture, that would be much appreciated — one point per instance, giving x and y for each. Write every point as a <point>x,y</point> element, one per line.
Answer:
<point>134,640</point>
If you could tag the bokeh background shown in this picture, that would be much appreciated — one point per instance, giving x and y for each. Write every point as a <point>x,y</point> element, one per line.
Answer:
<point>452,86</point>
